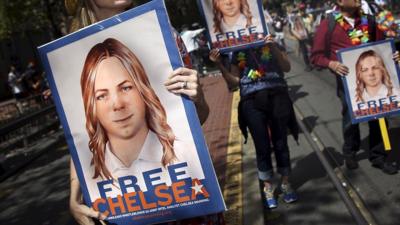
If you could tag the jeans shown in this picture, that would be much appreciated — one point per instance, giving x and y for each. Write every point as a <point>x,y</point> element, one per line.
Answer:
<point>304,51</point>
<point>262,117</point>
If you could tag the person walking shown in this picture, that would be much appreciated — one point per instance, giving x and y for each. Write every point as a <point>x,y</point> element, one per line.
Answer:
<point>264,105</point>
<point>91,11</point>
<point>278,23</point>
<point>15,83</point>
<point>190,39</point>
<point>300,32</point>
<point>327,41</point>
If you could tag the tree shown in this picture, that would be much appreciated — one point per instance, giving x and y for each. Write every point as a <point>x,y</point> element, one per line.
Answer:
<point>21,16</point>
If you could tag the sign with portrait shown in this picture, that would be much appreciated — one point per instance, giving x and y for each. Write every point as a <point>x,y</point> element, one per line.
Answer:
<point>234,24</point>
<point>372,86</point>
<point>138,149</point>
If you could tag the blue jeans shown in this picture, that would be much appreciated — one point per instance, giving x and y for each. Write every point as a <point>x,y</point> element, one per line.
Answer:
<point>272,112</point>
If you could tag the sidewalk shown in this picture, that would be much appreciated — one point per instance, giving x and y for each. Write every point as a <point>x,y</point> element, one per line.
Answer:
<point>315,95</point>
<point>235,166</point>
<point>224,142</point>
<point>39,193</point>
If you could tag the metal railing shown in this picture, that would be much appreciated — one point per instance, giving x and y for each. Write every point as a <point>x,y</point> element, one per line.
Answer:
<point>27,128</point>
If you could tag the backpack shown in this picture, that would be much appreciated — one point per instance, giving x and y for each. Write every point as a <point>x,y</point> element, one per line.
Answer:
<point>332,24</point>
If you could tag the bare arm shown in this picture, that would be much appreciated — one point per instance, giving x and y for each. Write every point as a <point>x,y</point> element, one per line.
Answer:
<point>280,56</point>
<point>82,214</point>
<point>231,76</point>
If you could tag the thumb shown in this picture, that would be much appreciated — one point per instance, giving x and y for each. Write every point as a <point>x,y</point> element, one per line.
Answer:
<point>90,212</point>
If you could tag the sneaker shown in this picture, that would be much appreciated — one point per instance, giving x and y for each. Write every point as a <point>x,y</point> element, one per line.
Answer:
<point>308,69</point>
<point>289,195</point>
<point>386,167</point>
<point>351,163</point>
<point>389,168</point>
<point>378,163</point>
<point>269,198</point>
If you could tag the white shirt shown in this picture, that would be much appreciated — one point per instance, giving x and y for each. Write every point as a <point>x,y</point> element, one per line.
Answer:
<point>365,8</point>
<point>351,21</point>
<point>15,86</point>
<point>189,38</point>
<point>380,2</point>
<point>240,24</point>
<point>382,93</point>
<point>268,17</point>
<point>148,159</point>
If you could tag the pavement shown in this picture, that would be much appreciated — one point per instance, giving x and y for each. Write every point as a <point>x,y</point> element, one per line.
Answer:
<point>38,194</point>
<point>314,95</point>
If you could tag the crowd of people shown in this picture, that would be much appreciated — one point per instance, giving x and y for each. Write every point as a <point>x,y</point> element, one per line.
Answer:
<point>265,108</point>
<point>26,83</point>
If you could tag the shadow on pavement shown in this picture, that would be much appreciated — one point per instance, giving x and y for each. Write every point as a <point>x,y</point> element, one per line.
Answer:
<point>40,194</point>
<point>311,122</point>
<point>295,93</point>
<point>308,172</point>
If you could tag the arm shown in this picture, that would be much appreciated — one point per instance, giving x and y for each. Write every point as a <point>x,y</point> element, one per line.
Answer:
<point>295,33</point>
<point>197,32</point>
<point>231,77</point>
<point>81,213</point>
<point>311,18</point>
<point>202,106</point>
<point>318,56</point>
<point>280,56</point>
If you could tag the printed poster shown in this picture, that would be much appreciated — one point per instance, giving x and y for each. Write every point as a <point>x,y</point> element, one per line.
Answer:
<point>233,25</point>
<point>372,86</point>
<point>139,151</point>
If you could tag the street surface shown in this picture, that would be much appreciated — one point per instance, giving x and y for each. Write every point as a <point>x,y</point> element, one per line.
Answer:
<point>38,194</point>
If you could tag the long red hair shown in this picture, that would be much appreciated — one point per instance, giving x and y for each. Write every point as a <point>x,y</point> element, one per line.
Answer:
<point>360,83</point>
<point>156,117</point>
<point>244,9</point>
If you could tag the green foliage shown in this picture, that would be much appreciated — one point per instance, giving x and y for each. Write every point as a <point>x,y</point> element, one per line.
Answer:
<point>20,16</point>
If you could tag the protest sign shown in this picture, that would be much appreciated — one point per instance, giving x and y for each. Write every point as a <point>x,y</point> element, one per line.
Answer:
<point>372,86</point>
<point>138,150</point>
<point>236,25</point>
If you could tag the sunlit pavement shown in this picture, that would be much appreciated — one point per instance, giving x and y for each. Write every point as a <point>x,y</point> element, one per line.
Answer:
<point>39,193</point>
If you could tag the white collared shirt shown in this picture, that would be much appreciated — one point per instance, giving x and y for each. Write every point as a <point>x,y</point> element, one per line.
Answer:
<point>189,38</point>
<point>382,93</point>
<point>148,159</point>
<point>240,24</point>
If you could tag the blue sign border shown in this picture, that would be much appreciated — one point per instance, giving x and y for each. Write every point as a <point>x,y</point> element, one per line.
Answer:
<point>355,120</point>
<point>216,203</point>
<point>241,46</point>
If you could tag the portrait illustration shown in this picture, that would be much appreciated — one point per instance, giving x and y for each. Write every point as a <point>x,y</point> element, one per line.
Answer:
<point>372,85</point>
<point>233,24</point>
<point>135,145</point>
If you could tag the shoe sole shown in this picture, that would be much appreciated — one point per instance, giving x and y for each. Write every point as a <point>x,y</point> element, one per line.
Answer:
<point>290,201</point>
<point>272,207</point>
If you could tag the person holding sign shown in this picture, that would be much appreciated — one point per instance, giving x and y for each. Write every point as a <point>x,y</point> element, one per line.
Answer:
<point>180,81</point>
<point>233,23</point>
<point>346,28</point>
<point>372,78</point>
<point>264,104</point>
